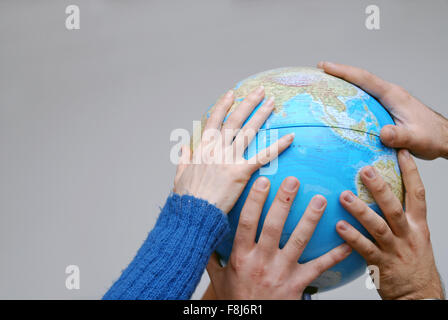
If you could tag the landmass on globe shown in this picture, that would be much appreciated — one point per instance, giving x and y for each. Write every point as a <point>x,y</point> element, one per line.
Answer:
<point>331,95</point>
<point>337,132</point>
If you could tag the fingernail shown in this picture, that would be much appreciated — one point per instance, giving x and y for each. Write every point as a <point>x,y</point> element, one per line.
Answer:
<point>259,90</point>
<point>270,101</point>
<point>261,184</point>
<point>342,225</point>
<point>229,94</point>
<point>348,197</point>
<point>290,184</point>
<point>318,202</point>
<point>369,172</point>
<point>290,136</point>
<point>320,65</point>
<point>327,64</point>
<point>390,133</point>
<point>406,154</point>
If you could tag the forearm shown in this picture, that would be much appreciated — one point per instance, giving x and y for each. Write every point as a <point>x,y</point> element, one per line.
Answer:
<point>172,259</point>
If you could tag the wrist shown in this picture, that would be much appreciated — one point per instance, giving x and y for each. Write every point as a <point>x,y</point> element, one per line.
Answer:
<point>436,295</point>
<point>433,292</point>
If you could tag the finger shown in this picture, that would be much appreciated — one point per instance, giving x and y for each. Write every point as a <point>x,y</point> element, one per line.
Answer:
<point>396,137</point>
<point>270,153</point>
<point>273,224</point>
<point>386,200</point>
<point>184,160</point>
<point>305,228</point>
<point>213,266</point>
<point>415,190</point>
<point>369,251</point>
<point>373,222</point>
<point>240,114</point>
<point>219,111</point>
<point>247,134</point>
<point>250,215</point>
<point>367,81</point>
<point>314,268</point>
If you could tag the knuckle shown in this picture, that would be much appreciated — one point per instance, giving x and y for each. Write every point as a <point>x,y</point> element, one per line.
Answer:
<point>391,93</point>
<point>212,119</point>
<point>255,195</point>
<point>397,93</point>
<point>230,123</point>
<point>396,89</point>
<point>415,243</point>
<point>360,208</point>
<point>426,234</point>
<point>402,93</point>
<point>357,207</point>
<point>379,186</point>
<point>214,109</point>
<point>370,253</point>
<point>257,272</point>
<point>245,223</point>
<point>220,107</point>
<point>262,159</point>
<point>381,229</point>
<point>420,193</point>
<point>412,168</point>
<point>284,200</point>
<point>235,122</point>
<point>335,256</point>
<point>237,262</point>
<point>396,213</point>
<point>313,217</point>
<point>366,76</point>
<point>247,133</point>
<point>357,239</point>
<point>264,111</point>
<point>271,229</point>
<point>299,243</point>
<point>252,98</point>
<point>267,283</point>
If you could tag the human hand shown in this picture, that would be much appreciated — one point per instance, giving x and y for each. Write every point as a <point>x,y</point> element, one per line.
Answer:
<point>403,251</point>
<point>419,129</point>
<point>217,170</point>
<point>262,270</point>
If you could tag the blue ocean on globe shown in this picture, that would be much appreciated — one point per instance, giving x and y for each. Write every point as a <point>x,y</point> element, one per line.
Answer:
<point>337,127</point>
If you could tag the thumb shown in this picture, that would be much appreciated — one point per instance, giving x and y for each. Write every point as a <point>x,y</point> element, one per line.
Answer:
<point>396,137</point>
<point>213,266</point>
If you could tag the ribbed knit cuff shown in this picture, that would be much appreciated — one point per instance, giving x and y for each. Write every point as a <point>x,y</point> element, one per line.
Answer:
<point>171,261</point>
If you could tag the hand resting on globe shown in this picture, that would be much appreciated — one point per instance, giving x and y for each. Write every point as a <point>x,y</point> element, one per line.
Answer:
<point>261,270</point>
<point>206,186</point>
<point>217,170</point>
<point>419,129</point>
<point>402,250</point>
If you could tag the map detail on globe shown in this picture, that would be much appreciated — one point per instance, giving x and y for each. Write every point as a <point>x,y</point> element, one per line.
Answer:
<point>333,103</point>
<point>337,127</point>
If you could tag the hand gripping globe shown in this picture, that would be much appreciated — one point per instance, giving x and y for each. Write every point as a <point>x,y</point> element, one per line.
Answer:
<point>337,127</point>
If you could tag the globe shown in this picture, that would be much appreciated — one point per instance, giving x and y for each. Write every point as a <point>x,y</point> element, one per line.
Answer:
<point>337,127</point>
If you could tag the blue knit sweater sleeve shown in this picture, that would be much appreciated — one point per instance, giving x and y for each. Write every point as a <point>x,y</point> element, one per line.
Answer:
<point>172,259</point>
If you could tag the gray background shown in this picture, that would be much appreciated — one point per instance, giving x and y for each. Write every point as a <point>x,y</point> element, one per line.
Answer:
<point>85,116</point>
